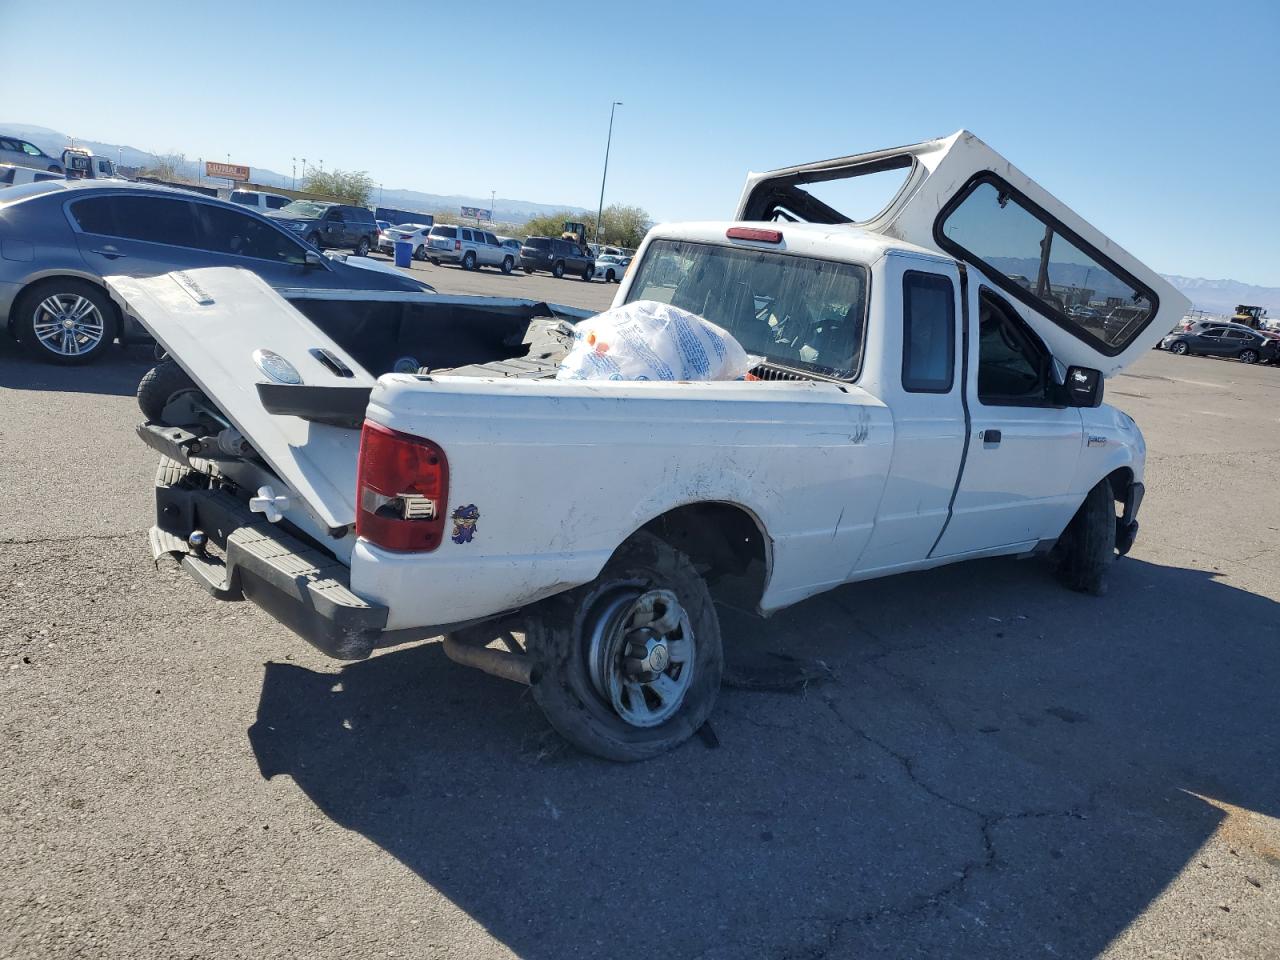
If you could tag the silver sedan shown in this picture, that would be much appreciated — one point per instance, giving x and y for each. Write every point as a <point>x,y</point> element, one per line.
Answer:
<point>60,238</point>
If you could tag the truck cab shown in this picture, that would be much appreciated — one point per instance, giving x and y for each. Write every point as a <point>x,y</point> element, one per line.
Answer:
<point>82,164</point>
<point>923,393</point>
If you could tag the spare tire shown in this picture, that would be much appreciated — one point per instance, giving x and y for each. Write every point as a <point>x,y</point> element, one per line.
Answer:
<point>157,389</point>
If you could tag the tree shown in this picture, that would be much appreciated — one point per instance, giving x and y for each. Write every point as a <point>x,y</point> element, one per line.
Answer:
<point>551,224</point>
<point>168,166</point>
<point>620,226</point>
<point>353,186</point>
<point>624,226</point>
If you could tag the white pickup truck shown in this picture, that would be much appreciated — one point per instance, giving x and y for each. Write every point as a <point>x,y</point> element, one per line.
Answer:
<point>927,395</point>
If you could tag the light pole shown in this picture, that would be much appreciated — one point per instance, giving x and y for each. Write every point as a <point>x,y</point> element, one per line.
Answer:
<point>604,176</point>
<point>293,180</point>
<point>492,194</point>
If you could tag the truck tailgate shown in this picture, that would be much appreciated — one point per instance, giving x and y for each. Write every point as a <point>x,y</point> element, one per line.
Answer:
<point>223,325</point>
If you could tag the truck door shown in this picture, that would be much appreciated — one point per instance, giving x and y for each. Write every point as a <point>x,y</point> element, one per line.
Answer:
<point>1022,452</point>
<point>922,382</point>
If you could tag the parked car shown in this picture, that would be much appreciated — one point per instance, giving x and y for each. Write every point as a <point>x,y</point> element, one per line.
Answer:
<point>556,257</point>
<point>54,302</point>
<point>952,415</point>
<point>415,233</point>
<point>610,267</point>
<point>12,176</point>
<point>20,153</point>
<point>512,246</point>
<point>259,200</point>
<point>469,247</point>
<point>1212,339</point>
<point>325,225</point>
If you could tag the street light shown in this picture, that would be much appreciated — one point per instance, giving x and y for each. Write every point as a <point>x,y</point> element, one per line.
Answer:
<point>293,184</point>
<point>604,176</point>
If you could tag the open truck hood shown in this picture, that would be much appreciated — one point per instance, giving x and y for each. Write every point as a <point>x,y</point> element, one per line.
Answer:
<point>938,172</point>
<point>213,322</point>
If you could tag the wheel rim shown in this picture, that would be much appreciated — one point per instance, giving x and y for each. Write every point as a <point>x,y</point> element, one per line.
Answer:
<point>1179,348</point>
<point>68,324</point>
<point>640,655</point>
<point>1249,357</point>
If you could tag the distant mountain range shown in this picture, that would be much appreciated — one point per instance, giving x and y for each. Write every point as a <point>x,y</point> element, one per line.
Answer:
<point>1221,296</point>
<point>1215,296</point>
<point>505,210</point>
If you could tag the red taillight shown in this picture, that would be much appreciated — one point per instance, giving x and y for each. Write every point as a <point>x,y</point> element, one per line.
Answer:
<point>402,490</point>
<point>754,233</point>
<point>457,244</point>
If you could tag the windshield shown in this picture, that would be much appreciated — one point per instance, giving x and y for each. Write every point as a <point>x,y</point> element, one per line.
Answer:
<point>798,311</point>
<point>305,208</point>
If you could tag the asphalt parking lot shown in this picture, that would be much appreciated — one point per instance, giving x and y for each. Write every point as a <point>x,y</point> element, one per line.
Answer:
<point>490,282</point>
<point>995,768</point>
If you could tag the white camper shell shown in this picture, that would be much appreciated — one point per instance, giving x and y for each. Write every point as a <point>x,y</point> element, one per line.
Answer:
<point>1092,302</point>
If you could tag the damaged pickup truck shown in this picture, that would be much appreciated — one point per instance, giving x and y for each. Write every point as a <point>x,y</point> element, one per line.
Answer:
<point>379,472</point>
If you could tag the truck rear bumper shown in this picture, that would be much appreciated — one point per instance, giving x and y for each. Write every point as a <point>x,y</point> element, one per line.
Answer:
<point>247,557</point>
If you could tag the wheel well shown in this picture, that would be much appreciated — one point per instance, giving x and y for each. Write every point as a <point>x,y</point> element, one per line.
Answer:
<point>726,545</point>
<point>33,289</point>
<point>1120,479</point>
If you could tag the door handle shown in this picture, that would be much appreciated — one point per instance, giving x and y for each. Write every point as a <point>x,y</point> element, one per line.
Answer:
<point>990,436</point>
<point>111,253</point>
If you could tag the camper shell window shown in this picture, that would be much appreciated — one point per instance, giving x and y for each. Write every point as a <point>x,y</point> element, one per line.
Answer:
<point>1038,260</point>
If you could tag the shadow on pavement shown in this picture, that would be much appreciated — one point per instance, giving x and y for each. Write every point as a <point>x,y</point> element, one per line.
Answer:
<point>998,768</point>
<point>116,372</point>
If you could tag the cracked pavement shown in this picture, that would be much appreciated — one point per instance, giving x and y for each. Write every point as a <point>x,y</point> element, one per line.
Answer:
<point>990,766</point>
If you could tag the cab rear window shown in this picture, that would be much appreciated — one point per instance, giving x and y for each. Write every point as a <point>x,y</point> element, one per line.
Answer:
<point>801,312</point>
<point>1043,264</point>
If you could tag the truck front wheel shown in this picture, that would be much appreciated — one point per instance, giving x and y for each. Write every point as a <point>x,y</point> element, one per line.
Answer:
<point>1087,548</point>
<point>629,666</point>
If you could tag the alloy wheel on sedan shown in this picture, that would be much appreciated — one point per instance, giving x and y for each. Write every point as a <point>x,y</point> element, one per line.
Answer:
<point>68,325</point>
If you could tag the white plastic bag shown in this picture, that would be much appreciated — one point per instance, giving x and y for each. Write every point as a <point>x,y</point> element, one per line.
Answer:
<point>648,340</point>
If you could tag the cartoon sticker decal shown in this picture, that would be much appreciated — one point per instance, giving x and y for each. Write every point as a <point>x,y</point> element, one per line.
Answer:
<point>464,523</point>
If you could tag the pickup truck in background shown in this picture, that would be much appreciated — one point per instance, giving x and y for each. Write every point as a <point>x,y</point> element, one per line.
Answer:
<point>926,396</point>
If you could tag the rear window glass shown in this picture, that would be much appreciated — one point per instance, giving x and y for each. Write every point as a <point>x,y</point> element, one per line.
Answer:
<point>245,197</point>
<point>538,243</point>
<point>1031,257</point>
<point>450,233</point>
<point>799,311</point>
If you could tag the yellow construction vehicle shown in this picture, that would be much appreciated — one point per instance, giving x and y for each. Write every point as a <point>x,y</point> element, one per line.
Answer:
<point>1248,315</point>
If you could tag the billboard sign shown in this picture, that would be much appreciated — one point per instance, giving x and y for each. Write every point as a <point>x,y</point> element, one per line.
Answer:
<point>227,171</point>
<point>478,212</point>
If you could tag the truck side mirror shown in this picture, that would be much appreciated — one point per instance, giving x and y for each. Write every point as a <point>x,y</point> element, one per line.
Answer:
<point>1082,387</point>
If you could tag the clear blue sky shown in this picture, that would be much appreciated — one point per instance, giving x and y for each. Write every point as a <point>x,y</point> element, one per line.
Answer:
<point>1158,122</point>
